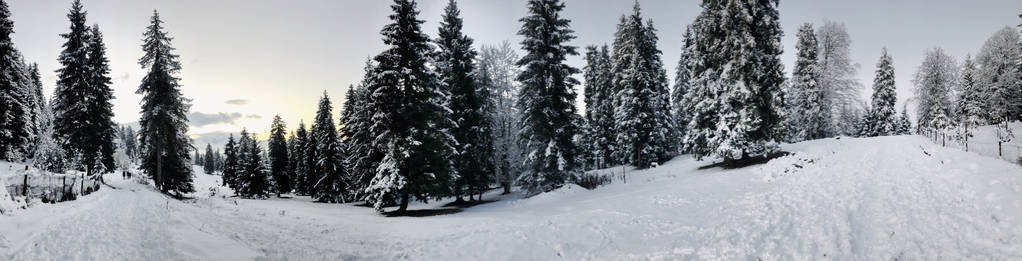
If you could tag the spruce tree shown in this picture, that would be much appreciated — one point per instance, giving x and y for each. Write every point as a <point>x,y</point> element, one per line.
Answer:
<point>736,83</point>
<point>599,118</point>
<point>455,62</point>
<point>292,159</point>
<point>252,181</point>
<point>682,77</point>
<point>410,121</point>
<point>904,125</point>
<point>209,161</point>
<point>231,165</point>
<point>303,159</point>
<point>880,119</point>
<point>804,96</point>
<point>547,97</point>
<point>70,96</point>
<point>361,157</point>
<point>642,118</point>
<point>969,102</point>
<point>164,123</point>
<point>327,180</point>
<point>100,123</point>
<point>279,159</point>
<point>15,128</point>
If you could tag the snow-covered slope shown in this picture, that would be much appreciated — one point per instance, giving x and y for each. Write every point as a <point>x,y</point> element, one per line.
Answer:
<point>861,199</point>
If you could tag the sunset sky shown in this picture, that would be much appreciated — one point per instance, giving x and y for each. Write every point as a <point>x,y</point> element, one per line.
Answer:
<point>246,60</point>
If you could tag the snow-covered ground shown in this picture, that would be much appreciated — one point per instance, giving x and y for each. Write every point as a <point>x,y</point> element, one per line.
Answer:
<point>860,199</point>
<point>984,142</point>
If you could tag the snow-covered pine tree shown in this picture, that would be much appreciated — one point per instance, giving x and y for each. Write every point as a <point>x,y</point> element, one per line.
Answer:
<point>934,81</point>
<point>307,174</point>
<point>880,119</point>
<point>209,160</point>
<point>74,95</point>
<point>164,123</point>
<point>805,99</point>
<point>455,64</point>
<point>998,75</point>
<point>837,79</point>
<point>970,102</point>
<point>232,167</point>
<point>362,158</point>
<point>598,140</point>
<point>292,159</point>
<point>15,103</point>
<point>40,111</point>
<point>328,178</point>
<point>547,97</point>
<point>642,117</point>
<point>904,125</point>
<point>500,63</point>
<point>939,123</point>
<point>253,179</point>
<point>197,158</point>
<point>276,147</point>
<point>682,78</point>
<point>411,120</point>
<point>100,123</point>
<point>737,77</point>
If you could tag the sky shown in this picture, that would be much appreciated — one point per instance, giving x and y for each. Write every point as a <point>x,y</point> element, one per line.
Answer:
<point>244,61</point>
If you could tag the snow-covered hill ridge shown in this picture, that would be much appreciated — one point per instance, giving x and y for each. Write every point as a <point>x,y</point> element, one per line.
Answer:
<point>848,199</point>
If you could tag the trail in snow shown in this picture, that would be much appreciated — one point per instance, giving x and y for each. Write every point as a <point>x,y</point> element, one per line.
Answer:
<point>873,199</point>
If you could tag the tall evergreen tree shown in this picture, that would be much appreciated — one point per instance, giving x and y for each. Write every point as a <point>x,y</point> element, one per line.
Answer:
<point>15,128</point>
<point>252,181</point>
<point>279,159</point>
<point>410,120</point>
<point>100,123</point>
<point>455,62</point>
<point>70,96</point>
<point>362,158</point>
<point>903,125</point>
<point>292,159</point>
<point>231,165</point>
<point>880,119</point>
<point>209,160</point>
<point>164,123</point>
<point>307,174</point>
<point>599,99</point>
<point>547,97</point>
<point>328,183</point>
<point>805,112</point>
<point>736,83</point>
<point>642,118</point>
<point>682,83</point>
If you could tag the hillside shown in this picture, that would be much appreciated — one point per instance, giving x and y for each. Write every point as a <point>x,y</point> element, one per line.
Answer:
<point>863,199</point>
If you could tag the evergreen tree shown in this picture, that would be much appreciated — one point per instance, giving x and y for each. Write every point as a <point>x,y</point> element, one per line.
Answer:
<point>209,161</point>
<point>302,159</point>
<point>410,121</point>
<point>599,118</point>
<point>642,121</point>
<point>198,158</point>
<point>939,123</point>
<point>232,167</point>
<point>904,125</point>
<point>40,116</point>
<point>970,102</point>
<point>362,157</point>
<point>880,119</point>
<point>328,183</point>
<point>164,123</point>
<point>737,77</point>
<point>15,95</point>
<point>277,152</point>
<point>69,102</point>
<point>547,97</point>
<point>682,77</point>
<point>252,180</point>
<point>455,62</point>
<point>292,159</point>
<point>805,97</point>
<point>100,123</point>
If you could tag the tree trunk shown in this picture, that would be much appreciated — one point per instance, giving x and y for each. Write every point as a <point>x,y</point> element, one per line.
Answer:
<point>404,202</point>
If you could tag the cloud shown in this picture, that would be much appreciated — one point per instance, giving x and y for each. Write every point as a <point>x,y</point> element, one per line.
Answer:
<point>253,116</point>
<point>200,119</point>
<point>237,102</point>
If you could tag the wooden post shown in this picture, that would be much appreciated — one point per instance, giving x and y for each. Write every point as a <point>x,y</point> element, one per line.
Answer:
<point>24,189</point>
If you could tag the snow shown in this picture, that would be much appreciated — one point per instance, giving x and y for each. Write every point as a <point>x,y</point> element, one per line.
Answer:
<point>881,198</point>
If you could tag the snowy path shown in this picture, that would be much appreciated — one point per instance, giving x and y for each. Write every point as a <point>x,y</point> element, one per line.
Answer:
<point>850,199</point>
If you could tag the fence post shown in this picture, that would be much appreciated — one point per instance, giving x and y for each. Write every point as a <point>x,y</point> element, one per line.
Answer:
<point>24,189</point>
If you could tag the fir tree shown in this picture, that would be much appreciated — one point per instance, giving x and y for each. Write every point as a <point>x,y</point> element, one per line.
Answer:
<point>197,157</point>
<point>231,165</point>
<point>599,118</point>
<point>252,181</point>
<point>302,159</point>
<point>455,62</point>
<point>277,152</point>
<point>970,102</point>
<point>805,97</point>
<point>547,97</point>
<point>642,121</point>
<point>15,127</point>
<point>164,123</point>
<point>682,77</point>
<point>292,158</point>
<point>410,121</point>
<point>880,119</point>
<point>209,161</point>
<point>101,124</point>
<point>328,183</point>
<point>362,158</point>
<point>737,77</point>
<point>69,102</point>
<point>904,125</point>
